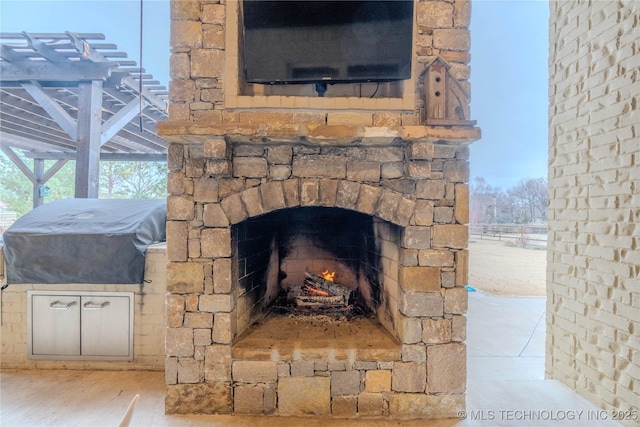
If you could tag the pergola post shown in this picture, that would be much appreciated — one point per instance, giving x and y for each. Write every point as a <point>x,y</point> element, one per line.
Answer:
<point>89,133</point>
<point>38,172</point>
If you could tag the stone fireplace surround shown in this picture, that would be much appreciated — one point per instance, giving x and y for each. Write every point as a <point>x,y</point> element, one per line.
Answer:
<point>242,162</point>
<point>414,194</point>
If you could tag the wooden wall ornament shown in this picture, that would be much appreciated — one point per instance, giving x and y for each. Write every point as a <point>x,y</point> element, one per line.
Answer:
<point>442,100</point>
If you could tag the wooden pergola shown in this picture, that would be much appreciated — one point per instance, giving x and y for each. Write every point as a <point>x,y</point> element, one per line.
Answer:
<point>68,96</point>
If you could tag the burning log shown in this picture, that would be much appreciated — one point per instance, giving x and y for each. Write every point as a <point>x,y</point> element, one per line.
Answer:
<point>330,287</point>
<point>318,301</point>
<point>316,291</point>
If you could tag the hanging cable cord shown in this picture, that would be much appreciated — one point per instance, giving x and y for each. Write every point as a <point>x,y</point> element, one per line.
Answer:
<point>140,81</point>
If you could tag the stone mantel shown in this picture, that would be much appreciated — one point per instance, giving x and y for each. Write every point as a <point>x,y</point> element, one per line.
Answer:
<point>321,134</point>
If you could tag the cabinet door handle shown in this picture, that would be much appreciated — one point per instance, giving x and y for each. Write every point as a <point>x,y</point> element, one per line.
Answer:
<point>90,305</point>
<point>59,305</point>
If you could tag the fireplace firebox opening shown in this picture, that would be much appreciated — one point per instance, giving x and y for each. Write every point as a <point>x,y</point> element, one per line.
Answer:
<point>281,258</point>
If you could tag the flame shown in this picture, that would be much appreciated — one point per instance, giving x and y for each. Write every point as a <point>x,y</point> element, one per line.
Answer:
<point>328,276</point>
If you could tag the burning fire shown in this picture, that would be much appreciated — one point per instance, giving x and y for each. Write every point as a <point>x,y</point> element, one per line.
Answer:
<point>328,276</point>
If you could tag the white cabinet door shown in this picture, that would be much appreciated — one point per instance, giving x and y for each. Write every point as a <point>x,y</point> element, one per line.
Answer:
<point>104,326</point>
<point>55,325</point>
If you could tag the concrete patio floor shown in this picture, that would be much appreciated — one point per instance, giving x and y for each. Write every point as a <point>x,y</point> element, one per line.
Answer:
<point>505,385</point>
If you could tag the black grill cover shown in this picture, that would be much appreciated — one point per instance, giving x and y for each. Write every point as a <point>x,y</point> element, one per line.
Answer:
<point>84,241</point>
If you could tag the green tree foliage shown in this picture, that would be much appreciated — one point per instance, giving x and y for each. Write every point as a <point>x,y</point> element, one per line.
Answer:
<point>133,180</point>
<point>16,190</point>
<point>118,180</point>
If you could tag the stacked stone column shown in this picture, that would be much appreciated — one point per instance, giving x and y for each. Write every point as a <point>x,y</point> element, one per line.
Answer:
<point>215,184</point>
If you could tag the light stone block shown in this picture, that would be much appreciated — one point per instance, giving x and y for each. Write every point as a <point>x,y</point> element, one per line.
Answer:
<point>254,371</point>
<point>180,208</point>
<point>205,190</point>
<point>414,353</point>
<point>458,328</point>
<point>248,400</point>
<point>198,320</point>
<point>216,303</point>
<point>370,404</point>
<point>202,398</point>
<point>450,236</point>
<point>344,406</point>
<point>302,368</point>
<point>345,382</point>
<point>188,371</point>
<point>421,304</point>
<point>177,232</point>
<point>298,396</point>
<point>222,328</point>
<point>216,242</point>
<point>455,300</point>
<point>426,279</point>
<point>446,368</point>
<point>411,330</point>
<point>217,363</point>
<point>171,370</point>
<point>434,14</point>
<point>417,237</point>
<point>413,405</point>
<point>234,208</point>
<point>252,200</point>
<point>185,277</point>
<point>175,310</point>
<point>409,377</point>
<point>179,342</point>
<point>272,196</point>
<point>222,275</point>
<point>377,381</point>
<point>436,331</point>
<point>214,216</point>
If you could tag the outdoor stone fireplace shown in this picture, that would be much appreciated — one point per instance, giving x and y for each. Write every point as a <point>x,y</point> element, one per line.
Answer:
<point>267,184</point>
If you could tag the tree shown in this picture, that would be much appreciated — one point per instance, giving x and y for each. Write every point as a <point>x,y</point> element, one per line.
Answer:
<point>531,195</point>
<point>483,202</point>
<point>16,190</point>
<point>14,187</point>
<point>522,203</point>
<point>133,180</point>
<point>121,180</point>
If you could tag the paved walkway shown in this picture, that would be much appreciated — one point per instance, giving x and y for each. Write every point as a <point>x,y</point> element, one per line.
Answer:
<point>505,385</point>
<point>505,369</point>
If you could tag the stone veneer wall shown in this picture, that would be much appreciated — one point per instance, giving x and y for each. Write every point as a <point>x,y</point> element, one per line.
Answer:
<point>206,62</point>
<point>237,153</point>
<point>427,372</point>
<point>594,202</point>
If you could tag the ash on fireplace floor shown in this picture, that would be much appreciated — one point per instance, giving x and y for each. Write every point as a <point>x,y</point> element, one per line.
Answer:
<point>282,307</point>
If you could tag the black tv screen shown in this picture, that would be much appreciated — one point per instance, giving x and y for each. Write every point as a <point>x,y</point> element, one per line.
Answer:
<point>297,41</point>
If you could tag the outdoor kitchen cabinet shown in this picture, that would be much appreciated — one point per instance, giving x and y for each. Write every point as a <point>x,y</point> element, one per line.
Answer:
<point>80,325</point>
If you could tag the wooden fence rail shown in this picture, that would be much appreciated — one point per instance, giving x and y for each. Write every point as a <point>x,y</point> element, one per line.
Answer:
<point>521,234</point>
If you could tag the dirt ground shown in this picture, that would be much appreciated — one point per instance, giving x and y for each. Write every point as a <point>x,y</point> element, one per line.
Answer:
<point>498,269</point>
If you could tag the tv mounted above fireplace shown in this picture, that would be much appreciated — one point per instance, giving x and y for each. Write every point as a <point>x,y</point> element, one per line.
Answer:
<point>325,42</point>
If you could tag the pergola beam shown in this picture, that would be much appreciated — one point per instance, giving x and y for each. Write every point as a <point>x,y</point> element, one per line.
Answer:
<point>25,143</point>
<point>120,119</point>
<point>57,113</point>
<point>54,71</point>
<point>110,157</point>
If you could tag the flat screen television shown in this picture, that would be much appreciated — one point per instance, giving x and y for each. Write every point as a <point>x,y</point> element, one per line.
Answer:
<point>297,41</point>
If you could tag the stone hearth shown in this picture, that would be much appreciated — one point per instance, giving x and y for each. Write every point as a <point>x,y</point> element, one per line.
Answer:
<point>265,187</point>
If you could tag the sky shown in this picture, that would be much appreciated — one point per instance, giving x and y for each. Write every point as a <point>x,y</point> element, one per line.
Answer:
<point>509,49</point>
